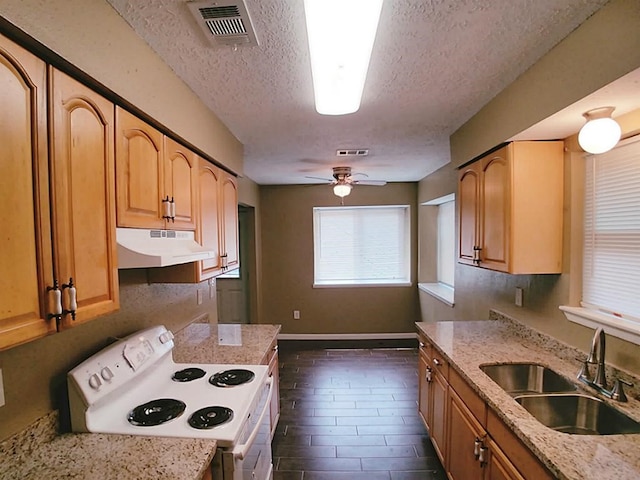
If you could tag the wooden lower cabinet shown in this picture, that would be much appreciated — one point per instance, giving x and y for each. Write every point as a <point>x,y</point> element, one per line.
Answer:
<point>470,439</point>
<point>466,437</point>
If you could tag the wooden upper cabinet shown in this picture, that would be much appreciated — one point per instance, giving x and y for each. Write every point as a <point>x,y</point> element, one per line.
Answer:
<point>83,197</point>
<point>25,256</point>
<point>210,223</point>
<point>180,174</point>
<point>156,177</point>
<point>229,199</point>
<point>510,209</point>
<point>139,173</point>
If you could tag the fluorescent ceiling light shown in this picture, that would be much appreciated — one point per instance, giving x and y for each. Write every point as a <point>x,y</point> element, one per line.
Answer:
<point>341,35</point>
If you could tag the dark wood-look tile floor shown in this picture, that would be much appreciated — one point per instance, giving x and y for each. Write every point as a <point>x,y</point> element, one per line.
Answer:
<point>351,414</point>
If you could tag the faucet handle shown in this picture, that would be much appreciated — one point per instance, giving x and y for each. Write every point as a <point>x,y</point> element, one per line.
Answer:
<point>617,392</point>
<point>584,369</point>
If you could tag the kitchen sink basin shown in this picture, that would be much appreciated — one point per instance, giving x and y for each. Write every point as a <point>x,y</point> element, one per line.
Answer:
<point>527,378</point>
<point>578,414</point>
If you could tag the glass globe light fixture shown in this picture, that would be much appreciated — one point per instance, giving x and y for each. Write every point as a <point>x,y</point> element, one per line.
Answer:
<point>601,132</point>
<point>342,189</point>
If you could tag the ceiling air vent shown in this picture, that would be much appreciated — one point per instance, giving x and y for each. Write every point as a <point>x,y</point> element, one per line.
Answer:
<point>355,152</point>
<point>225,22</point>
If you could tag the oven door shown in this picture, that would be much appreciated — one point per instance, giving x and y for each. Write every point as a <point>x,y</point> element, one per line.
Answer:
<point>251,458</point>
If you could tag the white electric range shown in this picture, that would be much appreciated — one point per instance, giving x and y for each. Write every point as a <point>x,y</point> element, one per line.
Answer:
<point>134,387</point>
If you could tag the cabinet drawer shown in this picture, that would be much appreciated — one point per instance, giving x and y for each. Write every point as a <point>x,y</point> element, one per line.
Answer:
<point>519,455</point>
<point>424,347</point>
<point>474,403</point>
<point>439,363</point>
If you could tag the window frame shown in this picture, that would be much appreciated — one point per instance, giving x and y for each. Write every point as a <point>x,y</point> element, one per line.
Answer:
<point>402,282</point>
<point>438,289</point>
<point>625,328</point>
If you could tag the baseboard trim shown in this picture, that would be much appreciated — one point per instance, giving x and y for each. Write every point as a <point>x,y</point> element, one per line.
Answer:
<point>346,336</point>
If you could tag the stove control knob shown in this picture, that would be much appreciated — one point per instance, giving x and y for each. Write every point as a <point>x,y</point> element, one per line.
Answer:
<point>166,337</point>
<point>94,381</point>
<point>106,374</point>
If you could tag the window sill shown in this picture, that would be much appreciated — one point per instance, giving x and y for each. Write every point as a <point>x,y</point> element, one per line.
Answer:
<point>358,284</point>
<point>615,326</point>
<point>442,292</point>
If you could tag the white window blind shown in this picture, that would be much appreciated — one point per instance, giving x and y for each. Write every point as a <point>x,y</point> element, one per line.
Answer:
<point>446,243</point>
<point>361,245</point>
<point>611,268</point>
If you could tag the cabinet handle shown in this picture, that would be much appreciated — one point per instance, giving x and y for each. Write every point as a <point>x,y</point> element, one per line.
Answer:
<point>429,375</point>
<point>166,208</point>
<point>476,254</point>
<point>172,210</point>
<point>73,302</point>
<point>55,302</point>
<point>224,261</point>
<point>477,445</point>
<point>482,456</point>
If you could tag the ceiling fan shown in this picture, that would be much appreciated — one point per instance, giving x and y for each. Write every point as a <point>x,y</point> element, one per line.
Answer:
<point>343,181</point>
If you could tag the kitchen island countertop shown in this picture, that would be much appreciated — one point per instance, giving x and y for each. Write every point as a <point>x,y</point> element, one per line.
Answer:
<point>40,452</point>
<point>467,345</point>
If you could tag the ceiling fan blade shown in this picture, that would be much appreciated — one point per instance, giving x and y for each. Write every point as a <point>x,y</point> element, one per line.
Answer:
<point>320,178</point>
<point>376,183</point>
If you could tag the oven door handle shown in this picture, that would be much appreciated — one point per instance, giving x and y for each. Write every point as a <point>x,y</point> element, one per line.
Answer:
<point>241,450</point>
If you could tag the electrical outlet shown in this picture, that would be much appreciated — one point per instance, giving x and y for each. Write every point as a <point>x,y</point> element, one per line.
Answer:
<point>296,314</point>
<point>199,296</point>
<point>1,390</point>
<point>518,297</point>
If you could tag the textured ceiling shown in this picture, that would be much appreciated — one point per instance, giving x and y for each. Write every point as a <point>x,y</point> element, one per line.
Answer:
<point>435,63</point>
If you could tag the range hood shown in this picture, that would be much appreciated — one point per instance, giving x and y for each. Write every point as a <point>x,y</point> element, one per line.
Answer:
<point>142,248</point>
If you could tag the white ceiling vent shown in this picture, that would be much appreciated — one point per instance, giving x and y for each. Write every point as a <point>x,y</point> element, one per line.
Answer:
<point>354,152</point>
<point>225,22</point>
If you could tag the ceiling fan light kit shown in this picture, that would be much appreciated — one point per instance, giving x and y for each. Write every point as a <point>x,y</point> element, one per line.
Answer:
<point>342,189</point>
<point>341,35</point>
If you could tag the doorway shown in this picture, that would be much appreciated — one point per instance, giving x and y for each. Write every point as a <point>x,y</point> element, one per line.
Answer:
<point>236,289</point>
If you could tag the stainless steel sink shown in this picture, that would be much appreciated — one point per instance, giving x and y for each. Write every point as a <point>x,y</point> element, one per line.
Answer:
<point>578,414</point>
<point>527,378</point>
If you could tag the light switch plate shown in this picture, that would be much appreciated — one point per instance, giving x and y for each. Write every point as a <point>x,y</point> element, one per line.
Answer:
<point>1,390</point>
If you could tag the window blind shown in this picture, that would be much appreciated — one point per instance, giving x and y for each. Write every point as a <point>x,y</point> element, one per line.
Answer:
<point>446,243</point>
<point>361,245</point>
<point>611,267</point>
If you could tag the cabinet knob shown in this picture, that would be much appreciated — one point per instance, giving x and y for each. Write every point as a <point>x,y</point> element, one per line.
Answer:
<point>437,362</point>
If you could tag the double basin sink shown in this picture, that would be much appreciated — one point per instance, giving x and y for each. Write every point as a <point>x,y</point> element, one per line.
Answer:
<point>556,402</point>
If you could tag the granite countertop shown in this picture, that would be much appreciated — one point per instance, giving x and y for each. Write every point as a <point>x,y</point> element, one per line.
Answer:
<point>40,452</point>
<point>467,345</point>
<point>224,343</point>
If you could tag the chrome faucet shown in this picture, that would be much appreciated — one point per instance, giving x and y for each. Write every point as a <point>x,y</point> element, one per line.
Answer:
<point>596,356</point>
<point>599,381</point>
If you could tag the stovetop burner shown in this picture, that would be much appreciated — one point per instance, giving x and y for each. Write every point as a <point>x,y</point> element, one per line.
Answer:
<point>231,378</point>
<point>156,412</point>
<point>188,374</point>
<point>210,417</point>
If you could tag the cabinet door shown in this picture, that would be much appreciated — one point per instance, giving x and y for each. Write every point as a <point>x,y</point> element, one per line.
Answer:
<point>464,431</point>
<point>498,465</point>
<point>425,377</point>
<point>180,174</point>
<point>495,211</point>
<point>25,256</point>
<point>468,213</point>
<point>139,172</point>
<point>438,415</point>
<point>208,231</point>
<point>83,200</point>
<point>229,201</point>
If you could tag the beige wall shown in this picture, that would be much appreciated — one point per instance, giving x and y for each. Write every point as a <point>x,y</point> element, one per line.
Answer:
<point>249,196</point>
<point>35,373</point>
<point>601,50</point>
<point>92,36</point>
<point>287,276</point>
